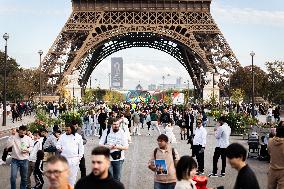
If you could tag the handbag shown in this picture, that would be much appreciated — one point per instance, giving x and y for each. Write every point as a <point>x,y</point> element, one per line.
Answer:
<point>116,155</point>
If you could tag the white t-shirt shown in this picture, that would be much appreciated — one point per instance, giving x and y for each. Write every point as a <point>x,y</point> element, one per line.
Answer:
<point>116,139</point>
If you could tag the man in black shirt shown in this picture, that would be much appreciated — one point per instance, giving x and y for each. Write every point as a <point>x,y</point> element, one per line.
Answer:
<point>246,178</point>
<point>100,177</point>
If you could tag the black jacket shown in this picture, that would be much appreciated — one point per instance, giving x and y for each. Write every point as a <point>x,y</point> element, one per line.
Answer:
<point>91,182</point>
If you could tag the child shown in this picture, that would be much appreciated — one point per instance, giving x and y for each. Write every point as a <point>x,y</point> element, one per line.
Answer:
<point>37,145</point>
<point>39,170</point>
<point>169,132</point>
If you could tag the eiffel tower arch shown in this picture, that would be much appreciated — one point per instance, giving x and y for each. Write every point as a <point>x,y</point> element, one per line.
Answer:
<point>184,29</point>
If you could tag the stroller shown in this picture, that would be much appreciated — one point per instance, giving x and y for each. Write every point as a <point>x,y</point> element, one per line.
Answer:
<point>253,143</point>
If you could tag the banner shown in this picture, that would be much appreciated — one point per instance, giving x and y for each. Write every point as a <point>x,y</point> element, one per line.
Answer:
<point>117,73</point>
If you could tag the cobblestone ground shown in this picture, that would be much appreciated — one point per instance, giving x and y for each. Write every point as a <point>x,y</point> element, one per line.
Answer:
<point>136,175</point>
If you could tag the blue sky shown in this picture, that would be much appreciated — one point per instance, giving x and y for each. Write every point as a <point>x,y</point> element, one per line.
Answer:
<point>247,25</point>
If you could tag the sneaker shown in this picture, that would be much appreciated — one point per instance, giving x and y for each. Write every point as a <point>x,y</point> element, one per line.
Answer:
<point>222,175</point>
<point>212,175</point>
<point>200,173</point>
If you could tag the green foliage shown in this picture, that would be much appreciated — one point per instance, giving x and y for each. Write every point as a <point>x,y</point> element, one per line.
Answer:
<point>238,122</point>
<point>242,79</point>
<point>276,81</point>
<point>69,117</point>
<point>237,95</point>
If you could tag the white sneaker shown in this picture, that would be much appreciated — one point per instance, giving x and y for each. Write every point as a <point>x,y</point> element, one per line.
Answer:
<point>2,162</point>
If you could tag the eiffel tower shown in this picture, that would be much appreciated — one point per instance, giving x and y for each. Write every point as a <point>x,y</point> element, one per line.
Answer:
<point>184,29</point>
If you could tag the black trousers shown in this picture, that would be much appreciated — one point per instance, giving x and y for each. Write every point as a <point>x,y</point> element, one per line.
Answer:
<point>38,180</point>
<point>199,157</point>
<point>219,152</point>
<point>82,167</point>
<point>5,153</point>
<point>102,127</point>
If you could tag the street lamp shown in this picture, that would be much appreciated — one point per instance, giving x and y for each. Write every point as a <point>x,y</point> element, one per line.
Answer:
<point>40,53</point>
<point>252,75</point>
<point>164,77</point>
<point>6,37</point>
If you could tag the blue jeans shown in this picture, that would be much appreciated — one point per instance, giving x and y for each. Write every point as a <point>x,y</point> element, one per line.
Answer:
<point>158,185</point>
<point>15,166</point>
<point>115,169</point>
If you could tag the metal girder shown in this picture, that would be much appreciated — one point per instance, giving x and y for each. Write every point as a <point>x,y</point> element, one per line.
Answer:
<point>82,43</point>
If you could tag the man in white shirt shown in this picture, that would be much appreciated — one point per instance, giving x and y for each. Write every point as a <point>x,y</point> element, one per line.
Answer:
<point>222,135</point>
<point>199,143</point>
<point>32,159</point>
<point>117,141</point>
<point>70,144</point>
<point>21,147</point>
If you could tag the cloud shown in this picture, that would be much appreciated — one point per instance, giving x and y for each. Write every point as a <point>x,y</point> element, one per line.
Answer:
<point>247,15</point>
<point>20,10</point>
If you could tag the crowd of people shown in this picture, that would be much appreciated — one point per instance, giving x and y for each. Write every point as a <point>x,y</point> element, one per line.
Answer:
<point>63,152</point>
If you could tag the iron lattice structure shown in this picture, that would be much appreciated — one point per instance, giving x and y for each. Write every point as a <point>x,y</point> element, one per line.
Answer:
<point>184,29</point>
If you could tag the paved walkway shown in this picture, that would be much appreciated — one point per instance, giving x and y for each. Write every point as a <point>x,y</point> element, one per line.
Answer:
<point>136,175</point>
<point>9,124</point>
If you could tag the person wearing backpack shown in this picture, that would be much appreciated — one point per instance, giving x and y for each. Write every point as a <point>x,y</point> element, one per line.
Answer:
<point>116,140</point>
<point>163,162</point>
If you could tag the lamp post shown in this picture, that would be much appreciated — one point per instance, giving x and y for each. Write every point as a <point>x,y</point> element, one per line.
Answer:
<point>6,37</point>
<point>109,81</point>
<point>252,75</point>
<point>90,82</point>
<point>40,96</point>
<point>164,77</point>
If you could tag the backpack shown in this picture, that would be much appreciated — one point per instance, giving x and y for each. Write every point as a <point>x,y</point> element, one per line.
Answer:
<point>173,153</point>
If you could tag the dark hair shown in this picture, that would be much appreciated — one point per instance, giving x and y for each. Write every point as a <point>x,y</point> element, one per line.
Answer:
<point>74,122</point>
<point>57,158</point>
<point>236,150</point>
<point>222,119</point>
<point>184,166</point>
<point>40,155</point>
<point>280,124</point>
<point>57,131</point>
<point>43,130</point>
<point>23,128</point>
<point>101,150</point>
<point>280,132</point>
<point>163,137</point>
<point>36,132</point>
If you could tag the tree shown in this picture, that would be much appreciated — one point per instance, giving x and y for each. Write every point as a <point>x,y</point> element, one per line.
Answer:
<point>242,79</point>
<point>237,95</point>
<point>276,81</point>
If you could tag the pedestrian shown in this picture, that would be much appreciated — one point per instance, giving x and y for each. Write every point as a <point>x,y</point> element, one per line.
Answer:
<point>246,178</point>
<point>102,121</point>
<point>6,151</point>
<point>117,141</point>
<point>99,177</point>
<point>165,118</point>
<point>33,156</point>
<point>162,162</point>
<point>199,143</point>
<point>38,170</point>
<point>21,147</point>
<point>51,141</point>
<point>82,164</point>
<point>154,120</point>
<point>222,135</point>
<point>186,169</point>
<point>57,172</point>
<point>70,144</point>
<point>136,124</point>
<point>276,152</point>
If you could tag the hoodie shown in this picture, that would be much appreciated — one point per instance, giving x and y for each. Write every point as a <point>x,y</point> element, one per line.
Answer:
<point>276,152</point>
